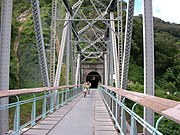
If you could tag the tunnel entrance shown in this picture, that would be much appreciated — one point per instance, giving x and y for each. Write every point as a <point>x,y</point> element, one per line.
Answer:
<point>94,78</point>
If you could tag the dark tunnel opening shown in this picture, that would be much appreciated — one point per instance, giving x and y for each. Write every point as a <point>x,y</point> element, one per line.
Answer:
<point>94,78</point>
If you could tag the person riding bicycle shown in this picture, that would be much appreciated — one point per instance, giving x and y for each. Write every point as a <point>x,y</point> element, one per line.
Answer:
<point>88,87</point>
<point>85,88</point>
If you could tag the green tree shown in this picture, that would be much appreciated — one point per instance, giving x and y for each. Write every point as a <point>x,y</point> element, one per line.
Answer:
<point>170,87</point>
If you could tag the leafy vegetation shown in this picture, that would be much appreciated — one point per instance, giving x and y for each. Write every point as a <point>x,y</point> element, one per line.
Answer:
<point>167,55</point>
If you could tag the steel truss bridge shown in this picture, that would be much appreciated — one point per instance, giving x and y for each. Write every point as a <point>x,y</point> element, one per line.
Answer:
<point>84,39</point>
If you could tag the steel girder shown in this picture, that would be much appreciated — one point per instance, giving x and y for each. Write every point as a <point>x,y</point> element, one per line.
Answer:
<point>78,69</point>
<point>68,52</point>
<point>91,23</point>
<point>76,5</point>
<point>105,70</point>
<point>40,41</point>
<point>5,41</point>
<point>53,42</point>
<point>127,43</point>
<point>148,39</point>
<point>120,37</point>
<point>114,46</point>
<point>61,51</point>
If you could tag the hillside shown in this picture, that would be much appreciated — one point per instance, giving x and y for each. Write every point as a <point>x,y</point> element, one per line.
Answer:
<point>167,54</point>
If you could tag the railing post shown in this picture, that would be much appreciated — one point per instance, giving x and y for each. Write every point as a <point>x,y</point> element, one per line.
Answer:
<point>16,126</point>
<point>52,101</point>
<point>74,91</point>
<point>33,112</point>
<point>70,93</point>
<point>62,98</point>
<point>112,104</point>
<point>66,94</point>
<point>57,100</point>
<point>157,124</point>
<point>123,117</point>
<point>133,122</point>
<point>116,113</point>
<point>44,106</point>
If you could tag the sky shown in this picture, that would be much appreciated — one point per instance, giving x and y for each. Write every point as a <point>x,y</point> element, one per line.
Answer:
<point>167,10</point>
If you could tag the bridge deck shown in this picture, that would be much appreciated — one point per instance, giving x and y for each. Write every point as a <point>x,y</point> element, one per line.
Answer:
<point>82,116</point>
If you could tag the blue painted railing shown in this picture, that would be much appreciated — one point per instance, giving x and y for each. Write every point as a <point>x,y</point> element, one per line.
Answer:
<point>118,109</point>
<point>63,95</point>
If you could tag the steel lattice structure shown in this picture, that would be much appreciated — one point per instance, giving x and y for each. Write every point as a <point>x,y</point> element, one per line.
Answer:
<point>89,34</point>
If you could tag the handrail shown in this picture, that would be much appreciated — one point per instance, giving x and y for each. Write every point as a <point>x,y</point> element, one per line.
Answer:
<point>8,93</point>
<point>64,95</point>
<point>165,107</point>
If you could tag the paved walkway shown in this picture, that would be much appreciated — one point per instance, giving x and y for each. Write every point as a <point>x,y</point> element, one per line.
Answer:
<point>82,116</point>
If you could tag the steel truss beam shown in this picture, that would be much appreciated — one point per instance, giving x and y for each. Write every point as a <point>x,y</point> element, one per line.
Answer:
<point>40,41</point>
<point>114,46</point>
<point>77,4</point>
<point>105,70</point>
<point>61,52</point>
<point>86,19</point>
<point>93,44</point>
<point>127,43</point>
<point>71,59</point>
<point>148,39</point>
<point>69,10</point>
<point>78,69</point>
<point>5,41</point>
<point>68,52</point>
<point>53,42</point>
<point>120,37</point>
<point>91,23</point>
<point>110,62</point>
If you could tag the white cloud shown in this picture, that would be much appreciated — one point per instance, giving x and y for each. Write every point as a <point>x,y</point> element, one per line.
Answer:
<point>167,10</point>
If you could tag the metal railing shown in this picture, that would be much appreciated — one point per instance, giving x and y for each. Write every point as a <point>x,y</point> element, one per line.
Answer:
<point>39,96</point>
<point>119,109</point>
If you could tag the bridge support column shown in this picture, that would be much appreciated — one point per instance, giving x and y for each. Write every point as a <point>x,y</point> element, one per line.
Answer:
<point>61,52</point>
<point>127,43</point>
<point>5,41</point>
<point>53,42</point>
<point>71,59</point>
<point>148,37</point>
<point>110,62</point>
<point>40,41</point>
<point>120,37</point>
<point>105,70</point>
<point>68,56</point>
<point>77,69</point>
<point>114,46</point>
